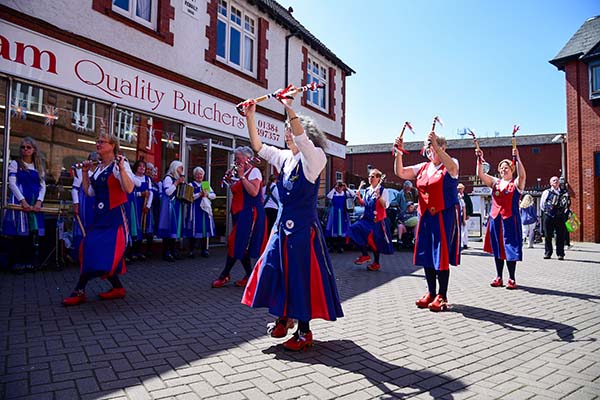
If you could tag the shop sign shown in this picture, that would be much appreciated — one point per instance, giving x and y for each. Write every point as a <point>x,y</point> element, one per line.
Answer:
<point>35,57</point>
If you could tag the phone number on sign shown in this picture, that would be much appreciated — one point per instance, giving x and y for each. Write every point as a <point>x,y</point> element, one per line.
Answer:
<point>268,130</point>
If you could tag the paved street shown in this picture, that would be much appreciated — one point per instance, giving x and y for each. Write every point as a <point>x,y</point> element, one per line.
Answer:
<point>174,337</point>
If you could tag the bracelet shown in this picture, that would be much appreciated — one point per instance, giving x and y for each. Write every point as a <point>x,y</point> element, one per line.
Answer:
<point>293,118</point>
<point>242,178</point>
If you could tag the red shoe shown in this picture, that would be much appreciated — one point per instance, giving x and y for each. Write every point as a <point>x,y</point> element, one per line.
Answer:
<point>362,260</point>
<point>424,301</point>
<point>77,297</point>
<point>497,282</point>
<point>114,293</point>
<point>220,282</point>
<point>280,327</point>
<point>242,282</point>
<point>438,304</point>
<point>374,267</point>
<point>511,284</point>
<point>300,341</point>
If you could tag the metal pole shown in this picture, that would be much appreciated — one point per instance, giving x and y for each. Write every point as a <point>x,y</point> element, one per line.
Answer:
<point>6,144</point>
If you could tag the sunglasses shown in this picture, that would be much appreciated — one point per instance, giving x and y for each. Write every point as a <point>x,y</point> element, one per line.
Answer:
<point>101,141</point>
<point>26,147</point>
<point>373,176</point>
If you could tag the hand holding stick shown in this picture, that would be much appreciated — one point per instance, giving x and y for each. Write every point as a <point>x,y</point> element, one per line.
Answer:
<point>287,93</point>
<point>514,143</point>
<point>397,148</point>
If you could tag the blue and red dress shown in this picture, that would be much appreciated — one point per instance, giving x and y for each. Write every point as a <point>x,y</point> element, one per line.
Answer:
<point>200,222</point>
<point>294,276</point>
<point>503,237</point>
<point>82,221</point>
<point>372,229</point>
<point>103,248</point>
<point>338,220</point>
<point>437,242</point>
<point>170,223</point>
<point>24,184</point>
<point>144,220</point>
<point>249,232</point>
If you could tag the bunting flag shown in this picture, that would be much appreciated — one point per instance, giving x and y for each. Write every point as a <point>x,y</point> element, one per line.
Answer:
<point>18,109</point>
<point>170,138</point>
<point>51,115</point>
<point>151,138</point>
<point>81,121</point>
<point>103,126</point>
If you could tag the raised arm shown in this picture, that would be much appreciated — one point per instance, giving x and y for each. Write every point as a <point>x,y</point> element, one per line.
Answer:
<point>255,141</point>
<point>485,178</point>
<point>521,174</point>
<point>399,169</point>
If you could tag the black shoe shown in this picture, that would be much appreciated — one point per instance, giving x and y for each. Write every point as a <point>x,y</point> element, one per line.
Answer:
<point>340,250</point>
<point>29,268</point>
<point>191,254</point>
<point>561,257</point>
<point>18,269</point>
<point>547,257</point>
<point>168,257</point>
<point>204,254</point>
<point>141,257</point>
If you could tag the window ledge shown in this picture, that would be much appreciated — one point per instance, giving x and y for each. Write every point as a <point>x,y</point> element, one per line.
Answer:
<point>239,73</point>
<point>317,110</point>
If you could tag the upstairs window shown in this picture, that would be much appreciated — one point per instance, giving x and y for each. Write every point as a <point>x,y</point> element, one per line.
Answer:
<point>141,11</point>
<point>317,72</point>
<point>236,37</point>
<point>595,80</point>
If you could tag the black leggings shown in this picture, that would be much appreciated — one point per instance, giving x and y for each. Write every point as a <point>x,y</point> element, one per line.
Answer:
<point>85,277</point>
<point>512,266</point>
<point>443,278</point>
<point>246,263</point>
<point>375,254</point>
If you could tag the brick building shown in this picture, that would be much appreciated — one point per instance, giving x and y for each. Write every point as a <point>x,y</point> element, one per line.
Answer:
<point>580,60</point>
<point>162,75</point>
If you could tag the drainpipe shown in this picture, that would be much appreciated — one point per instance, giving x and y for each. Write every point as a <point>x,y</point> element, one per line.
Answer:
<point>6,146</point>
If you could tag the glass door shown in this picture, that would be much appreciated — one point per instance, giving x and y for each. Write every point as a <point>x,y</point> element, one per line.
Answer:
<point>214,154</point>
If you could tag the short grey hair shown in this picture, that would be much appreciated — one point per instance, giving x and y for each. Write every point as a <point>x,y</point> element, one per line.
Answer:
<point>245,150</point>
<point>198,169</point>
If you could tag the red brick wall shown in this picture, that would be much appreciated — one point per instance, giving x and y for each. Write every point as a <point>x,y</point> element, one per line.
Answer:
<point>337,164</point>
<point>583,131</point>
<point>543,164</point>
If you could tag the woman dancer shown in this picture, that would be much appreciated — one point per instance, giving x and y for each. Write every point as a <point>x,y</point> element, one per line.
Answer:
<point>437,245</point>
<point>528,212</point>
<point>294,276</point>
<point>170,223</point>
<point>504,237</point>
<point>372,230</point>
<point>338,220</point>
<point>249,233</point>
<point>103,248</point>
<point>200,222</point>
<point>143,198</point>
<point>28,188</point>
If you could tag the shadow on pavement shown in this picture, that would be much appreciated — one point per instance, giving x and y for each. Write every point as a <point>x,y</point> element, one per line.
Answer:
<point>551,292</point>
<point>393,380</point>
<point>516,322</point>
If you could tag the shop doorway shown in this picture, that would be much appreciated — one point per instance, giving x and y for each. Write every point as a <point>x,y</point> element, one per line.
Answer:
<point>214,154</point>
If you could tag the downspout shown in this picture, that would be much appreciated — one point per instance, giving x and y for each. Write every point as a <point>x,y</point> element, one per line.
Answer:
<point>580,153</point>
<point>6,144</point>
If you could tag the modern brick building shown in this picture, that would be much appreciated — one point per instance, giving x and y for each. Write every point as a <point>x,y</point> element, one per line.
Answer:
<point>580,60</point>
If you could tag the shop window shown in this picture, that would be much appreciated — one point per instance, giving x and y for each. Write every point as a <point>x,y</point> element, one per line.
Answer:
<point>84,114</point>
<point>124,125</point>
<point>595,80</point>
<point>141,11</point>
<point>236,37</point>
<point>316,72</point>
<point>27,98</point>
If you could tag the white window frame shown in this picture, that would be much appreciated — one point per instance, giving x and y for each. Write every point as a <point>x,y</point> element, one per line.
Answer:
<point>30,97</point>
<point>322,77</point>
<point>124,121</point>
<point>244,33</point>
<point>131,13</point>
<point>86,109</point>
<point>594,94</point>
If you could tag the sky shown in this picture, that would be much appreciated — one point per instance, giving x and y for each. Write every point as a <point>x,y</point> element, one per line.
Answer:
<point>478,64</point>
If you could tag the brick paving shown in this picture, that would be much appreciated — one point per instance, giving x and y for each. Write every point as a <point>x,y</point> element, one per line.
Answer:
<point>173,337</point>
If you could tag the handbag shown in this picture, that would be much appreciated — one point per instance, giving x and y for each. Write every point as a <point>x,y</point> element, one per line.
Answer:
<point>572,223</point>
<point>349,204</point>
